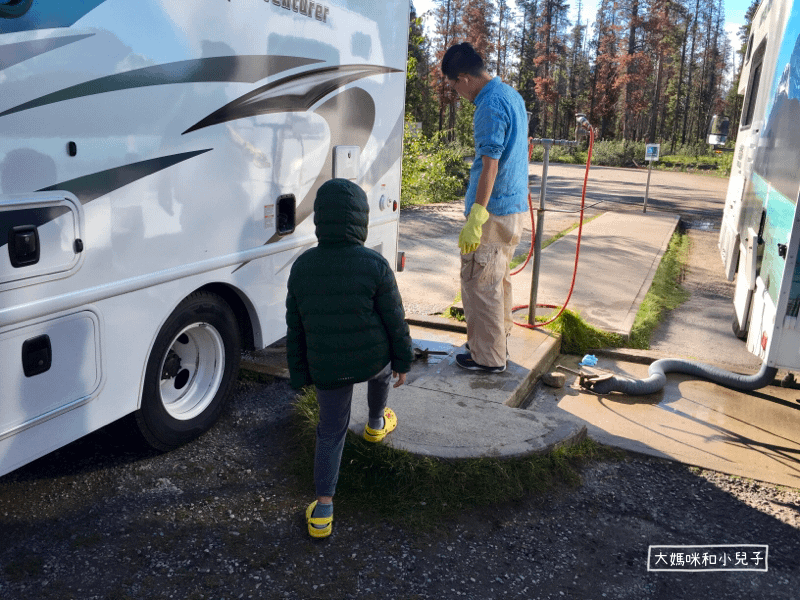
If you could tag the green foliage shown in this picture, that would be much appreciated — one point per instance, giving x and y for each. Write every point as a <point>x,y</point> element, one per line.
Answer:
<point>420,106</point>
<point>725,164</point>
<point>559,154</point>
<point>377,480</point>
<point>433,171</point>
<point>464,130</point>
<point>700,158</point>
<point>618,153</point>
<point>578,337</point>
<point>420,102</point>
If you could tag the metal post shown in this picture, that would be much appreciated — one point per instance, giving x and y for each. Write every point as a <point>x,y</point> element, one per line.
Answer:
<point>647,189</point>
<point>537,246</point>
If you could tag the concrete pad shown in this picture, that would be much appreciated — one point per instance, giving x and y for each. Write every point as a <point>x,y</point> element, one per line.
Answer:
<point>447,425</point>
<point>750,434</point>
<point>448,412</point>
<point>531,352</point>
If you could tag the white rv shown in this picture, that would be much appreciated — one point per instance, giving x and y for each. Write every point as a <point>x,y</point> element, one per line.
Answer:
<point>761,226</point>
<point>158,166</point>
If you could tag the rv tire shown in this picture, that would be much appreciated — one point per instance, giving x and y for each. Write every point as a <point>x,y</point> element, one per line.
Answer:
<point>190,372</point>
<point>739,332</point>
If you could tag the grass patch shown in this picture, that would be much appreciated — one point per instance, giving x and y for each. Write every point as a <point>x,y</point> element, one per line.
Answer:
<point>578,336</point>
<point>451,312</point>
<point>393,484</point>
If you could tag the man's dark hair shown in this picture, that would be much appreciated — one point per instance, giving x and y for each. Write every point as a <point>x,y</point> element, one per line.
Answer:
<point>462,58</point>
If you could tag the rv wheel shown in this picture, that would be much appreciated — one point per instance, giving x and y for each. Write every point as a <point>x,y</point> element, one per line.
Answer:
<point>191,369</point>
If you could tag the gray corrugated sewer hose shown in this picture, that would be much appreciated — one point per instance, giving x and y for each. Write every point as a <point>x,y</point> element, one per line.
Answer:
<point>657,378</point>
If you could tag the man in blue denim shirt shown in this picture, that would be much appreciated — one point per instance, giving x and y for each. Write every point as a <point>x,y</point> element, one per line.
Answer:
<point>495,203</point>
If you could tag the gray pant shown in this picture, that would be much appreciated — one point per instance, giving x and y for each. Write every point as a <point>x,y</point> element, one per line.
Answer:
<point>334,417</point>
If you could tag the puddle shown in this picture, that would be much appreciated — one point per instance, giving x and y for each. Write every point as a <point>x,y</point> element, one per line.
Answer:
<point>702,225</point>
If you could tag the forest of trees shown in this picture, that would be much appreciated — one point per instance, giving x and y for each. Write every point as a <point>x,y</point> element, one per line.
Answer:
<point>652,70</point>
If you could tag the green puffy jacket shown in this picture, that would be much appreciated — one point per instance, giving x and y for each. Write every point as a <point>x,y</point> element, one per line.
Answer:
<point>344,313</point>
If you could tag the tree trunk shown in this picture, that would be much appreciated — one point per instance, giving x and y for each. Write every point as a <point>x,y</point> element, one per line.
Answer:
<point>689,73</point>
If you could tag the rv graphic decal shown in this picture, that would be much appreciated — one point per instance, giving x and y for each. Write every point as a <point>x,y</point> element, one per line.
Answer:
<point>240,69</point>
<point>350,115</point>
<point>357,112</point>
<point>12,54</point>
<point>777,164</point>
<point>296,93</point>
<point>90,187</point>
<point>49,14</point>
<point>777,159</point>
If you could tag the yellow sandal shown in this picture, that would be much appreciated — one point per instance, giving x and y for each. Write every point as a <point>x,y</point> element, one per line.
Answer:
<point>389,423</point>
<point>318,527</point>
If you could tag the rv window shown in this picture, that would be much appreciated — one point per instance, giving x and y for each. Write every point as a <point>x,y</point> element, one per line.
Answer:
<point>753,85</point>
<point>749,48</point>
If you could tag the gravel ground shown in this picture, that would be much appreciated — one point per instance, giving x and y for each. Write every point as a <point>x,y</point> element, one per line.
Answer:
<point>222,518</point>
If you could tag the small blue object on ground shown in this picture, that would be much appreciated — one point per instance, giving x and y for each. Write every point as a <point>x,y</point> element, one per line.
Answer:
<point>589,360</point>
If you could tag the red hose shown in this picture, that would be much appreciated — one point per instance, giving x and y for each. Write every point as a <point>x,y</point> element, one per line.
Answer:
<point>577,248</point>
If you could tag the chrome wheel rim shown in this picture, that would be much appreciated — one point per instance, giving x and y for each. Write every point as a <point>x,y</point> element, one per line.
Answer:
<point>191,371</point>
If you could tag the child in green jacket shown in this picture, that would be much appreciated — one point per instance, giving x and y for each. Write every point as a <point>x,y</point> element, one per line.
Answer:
<point>346,325</point>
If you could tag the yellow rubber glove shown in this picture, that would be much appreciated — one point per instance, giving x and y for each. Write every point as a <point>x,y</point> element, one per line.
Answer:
<point>470,237</point>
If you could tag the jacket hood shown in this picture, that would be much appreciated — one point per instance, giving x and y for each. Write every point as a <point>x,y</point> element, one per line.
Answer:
<point>341,213</point>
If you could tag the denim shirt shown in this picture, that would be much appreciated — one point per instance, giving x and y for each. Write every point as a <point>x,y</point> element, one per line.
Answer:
<point>501,128</point>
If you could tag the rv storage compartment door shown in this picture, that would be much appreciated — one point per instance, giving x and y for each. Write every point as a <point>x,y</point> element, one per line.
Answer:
<point>47,368</point>
<point>40,238</point>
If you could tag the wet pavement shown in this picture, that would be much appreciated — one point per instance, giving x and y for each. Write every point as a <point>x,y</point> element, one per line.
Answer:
<point>750,434</point>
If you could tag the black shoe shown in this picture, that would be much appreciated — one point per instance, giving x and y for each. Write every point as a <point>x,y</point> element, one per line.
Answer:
<point>465,362</point>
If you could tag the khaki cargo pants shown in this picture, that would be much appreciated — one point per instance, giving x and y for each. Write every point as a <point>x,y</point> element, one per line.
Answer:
<point>486,289</point>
